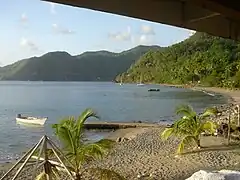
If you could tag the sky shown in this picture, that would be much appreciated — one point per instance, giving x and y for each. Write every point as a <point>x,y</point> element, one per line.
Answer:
<point>33,28</point>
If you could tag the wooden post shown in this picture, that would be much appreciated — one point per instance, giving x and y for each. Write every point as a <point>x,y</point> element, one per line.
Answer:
<point>17,163</point>
<point>44,141</point>
<point>47,165</point>
<point>59,151</point>
<point>25,162</point>
<point>229,128</point>
<point>238,109</point>
<point>59,159</point>
<point>25,155</point>
<point>39,155</point>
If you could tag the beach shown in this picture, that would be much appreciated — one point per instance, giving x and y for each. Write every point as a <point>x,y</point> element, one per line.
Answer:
<point>146,155</point>
<point>142,154</point>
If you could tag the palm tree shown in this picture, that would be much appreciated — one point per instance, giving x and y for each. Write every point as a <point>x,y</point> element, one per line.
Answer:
<point>70,133</point>
<point>190,126</point>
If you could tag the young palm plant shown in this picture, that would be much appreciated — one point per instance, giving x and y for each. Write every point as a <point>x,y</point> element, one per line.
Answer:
<point>190,126</point>
<point>70,132</point>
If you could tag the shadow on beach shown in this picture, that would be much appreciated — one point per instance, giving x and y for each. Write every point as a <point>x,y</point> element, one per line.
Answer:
<point>221,147</point>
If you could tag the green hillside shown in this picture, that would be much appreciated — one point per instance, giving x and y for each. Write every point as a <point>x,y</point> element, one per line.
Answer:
<point>61,66</point>
<point>211,60</point>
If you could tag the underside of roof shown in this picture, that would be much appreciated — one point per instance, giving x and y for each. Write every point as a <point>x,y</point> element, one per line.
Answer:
<point>216,17</point>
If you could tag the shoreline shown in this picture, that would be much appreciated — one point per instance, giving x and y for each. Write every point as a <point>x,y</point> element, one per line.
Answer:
<point>233,96</point>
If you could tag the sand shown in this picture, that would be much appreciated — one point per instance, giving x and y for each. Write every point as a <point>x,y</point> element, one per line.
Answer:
<point>147,154</point>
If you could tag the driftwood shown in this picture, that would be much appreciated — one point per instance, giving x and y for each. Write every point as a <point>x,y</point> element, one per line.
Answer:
<point>58,165</point>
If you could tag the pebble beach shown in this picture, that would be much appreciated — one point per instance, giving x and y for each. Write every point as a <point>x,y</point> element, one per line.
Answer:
<point>147,156</point>
<point>144,155</point>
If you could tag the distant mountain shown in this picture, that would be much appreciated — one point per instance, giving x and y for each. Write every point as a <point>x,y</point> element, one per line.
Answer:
<point>61,66</point>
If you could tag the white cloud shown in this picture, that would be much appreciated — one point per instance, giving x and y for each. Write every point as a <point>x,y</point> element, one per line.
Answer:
<point>142,40</point>
<point>146,29</point>
<point>28,44</point>
<point>62,30</point>
<point>23,18</point>
<point>53,8</point>
<point>121,36</point>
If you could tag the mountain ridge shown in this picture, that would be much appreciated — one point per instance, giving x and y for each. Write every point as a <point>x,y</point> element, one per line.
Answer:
<point>62,66</point>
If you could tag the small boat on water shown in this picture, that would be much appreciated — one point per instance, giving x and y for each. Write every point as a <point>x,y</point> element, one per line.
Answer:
<point>140,84</point>
<point>31,120</point>
<point>153,89</point>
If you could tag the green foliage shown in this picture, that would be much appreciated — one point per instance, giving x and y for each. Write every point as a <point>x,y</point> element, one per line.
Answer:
<point>70,133</point>
<point>61,66</point>
<point>190,126</point>
<point>213,61</point>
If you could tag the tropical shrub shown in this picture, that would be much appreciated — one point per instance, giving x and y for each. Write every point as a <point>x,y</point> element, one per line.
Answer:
<point>190,126</point>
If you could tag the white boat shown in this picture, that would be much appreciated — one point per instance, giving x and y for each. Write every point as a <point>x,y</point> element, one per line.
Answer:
<point>121,82</point>
<point>140,82</point>
<point>31,120</point>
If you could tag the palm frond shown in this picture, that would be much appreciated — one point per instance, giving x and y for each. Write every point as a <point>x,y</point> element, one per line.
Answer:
<point>105,143</point>
<point>190,126</point>
<point>167,133</point>
<point>186,141</point>
<point>70,133</point>
<point>209,127</point>
<point>209,112</point>
<point>180,147</point>
<point>92,151</point>
<point>66,138</point>
<point>184,126</point>
<point>185,110</point>
<point>83,117</point>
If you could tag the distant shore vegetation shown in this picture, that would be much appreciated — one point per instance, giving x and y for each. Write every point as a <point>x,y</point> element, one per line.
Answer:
<point>202,59</point>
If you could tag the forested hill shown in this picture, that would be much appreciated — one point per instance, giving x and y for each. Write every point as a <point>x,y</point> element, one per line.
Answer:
<point>212,60</point>
<point>61,66</point>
